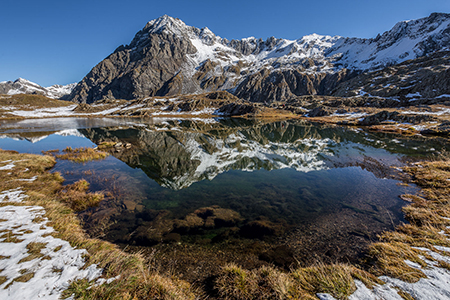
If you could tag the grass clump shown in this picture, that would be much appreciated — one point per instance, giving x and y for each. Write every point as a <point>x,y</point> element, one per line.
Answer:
<point>82,154</point>
<point>76,197</point>
<point>334,279</point>
<point>106,145</point>
<point>34,251</point>
<point>236,283</point>
<point>391,256</point>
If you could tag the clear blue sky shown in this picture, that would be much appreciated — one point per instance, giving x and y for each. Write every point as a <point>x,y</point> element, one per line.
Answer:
<point>58,42</point>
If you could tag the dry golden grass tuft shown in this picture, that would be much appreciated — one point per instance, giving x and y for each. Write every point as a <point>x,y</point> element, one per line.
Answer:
<point>106,145</point>
<point>82,154</point>
<point>334,279</point>
<point>76,197</point>
<point>34,251</point>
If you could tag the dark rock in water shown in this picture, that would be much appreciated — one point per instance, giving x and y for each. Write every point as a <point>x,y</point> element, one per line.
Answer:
<point>281,256</point>
<point>152,232</point>
<point>226,235</point>
<point>207,218</point>
<point>172,238</point>
<point>260,228</point>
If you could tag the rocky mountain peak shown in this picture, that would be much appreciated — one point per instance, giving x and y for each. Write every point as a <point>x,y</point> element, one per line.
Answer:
<point>167,24</point>
<point>26,82</point>
<point>437,24</point>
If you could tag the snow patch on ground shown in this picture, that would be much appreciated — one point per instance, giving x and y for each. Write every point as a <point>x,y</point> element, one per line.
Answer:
<point>9,166</point>
<point>60,263</point>
<point>46,112</point>
<point>14,195</point>
<point>443,111</point>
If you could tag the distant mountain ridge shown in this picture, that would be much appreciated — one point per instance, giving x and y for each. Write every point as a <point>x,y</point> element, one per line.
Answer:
<point>23,86</point>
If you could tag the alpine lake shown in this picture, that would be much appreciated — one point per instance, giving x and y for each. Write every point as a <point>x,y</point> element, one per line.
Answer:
<point>194,195</point>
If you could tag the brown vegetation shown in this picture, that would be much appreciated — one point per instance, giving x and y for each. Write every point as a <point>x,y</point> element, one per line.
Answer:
<point>76,197</point>
<point>428,215</point>
<point>303,283</point>
<point>79,155</point>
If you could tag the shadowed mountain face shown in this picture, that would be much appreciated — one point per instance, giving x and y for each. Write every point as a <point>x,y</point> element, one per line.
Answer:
<point>168,57</point>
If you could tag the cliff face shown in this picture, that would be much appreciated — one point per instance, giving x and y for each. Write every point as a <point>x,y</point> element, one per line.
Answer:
<point>168,57</point>
<point>142,69</point>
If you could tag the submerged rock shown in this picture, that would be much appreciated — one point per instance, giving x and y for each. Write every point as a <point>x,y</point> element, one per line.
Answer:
<point>208,218</point>
<point>259,229</point>
<point>280,255</point>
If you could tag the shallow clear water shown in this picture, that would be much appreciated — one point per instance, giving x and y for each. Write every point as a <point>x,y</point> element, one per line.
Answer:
<point>195,182</point>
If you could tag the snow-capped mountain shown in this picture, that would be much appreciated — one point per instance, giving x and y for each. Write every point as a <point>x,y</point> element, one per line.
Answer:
<point>168,57</point>
<point>23,86</point>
